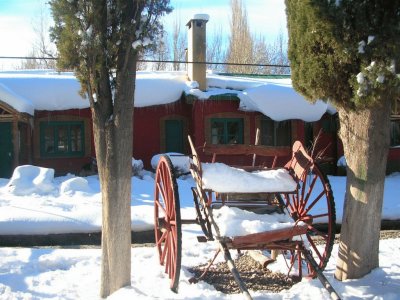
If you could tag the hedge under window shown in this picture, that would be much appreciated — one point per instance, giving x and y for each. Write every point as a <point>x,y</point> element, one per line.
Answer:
<point>227,131</point>
<point>62,139</point>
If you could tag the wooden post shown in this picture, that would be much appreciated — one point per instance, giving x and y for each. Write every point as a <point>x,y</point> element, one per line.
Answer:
<point>15,139</point>
<point>257,141</point>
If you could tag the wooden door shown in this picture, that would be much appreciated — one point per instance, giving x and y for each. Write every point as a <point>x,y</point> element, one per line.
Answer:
<point>6,150</point>
<point>174,136</point>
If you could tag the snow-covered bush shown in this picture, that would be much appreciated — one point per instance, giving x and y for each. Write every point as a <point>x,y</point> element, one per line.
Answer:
<point>137,167</point>
<point>30,179</point>
<point>76,184</point>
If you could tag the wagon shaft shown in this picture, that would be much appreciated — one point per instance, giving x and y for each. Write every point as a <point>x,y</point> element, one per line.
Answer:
<point>260,240</point>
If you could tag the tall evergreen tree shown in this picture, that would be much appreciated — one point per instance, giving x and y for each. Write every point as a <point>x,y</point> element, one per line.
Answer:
<point>347,52</point>
<point>100,41</point>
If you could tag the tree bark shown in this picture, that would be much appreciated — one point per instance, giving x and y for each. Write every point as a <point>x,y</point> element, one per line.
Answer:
<point>365,136</point>
<point>113,132</point>
<point>114,152</point>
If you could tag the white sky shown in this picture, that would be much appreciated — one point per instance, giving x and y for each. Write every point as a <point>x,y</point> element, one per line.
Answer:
<point>266,17</point>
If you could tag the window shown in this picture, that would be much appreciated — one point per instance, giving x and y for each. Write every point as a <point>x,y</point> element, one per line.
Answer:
<point>275,133</point>
<point>227,131</point>
<point>395,133</point>
<point>61,139</point>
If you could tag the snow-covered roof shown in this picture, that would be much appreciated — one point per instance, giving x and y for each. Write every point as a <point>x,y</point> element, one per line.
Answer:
<point>275,98</point>
<point>40,90</point>
<point>27,91</point>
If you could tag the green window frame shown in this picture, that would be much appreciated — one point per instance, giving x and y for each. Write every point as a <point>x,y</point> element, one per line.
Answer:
<point>227,131</point>
<point>62,139</point>
<point>276,134</point>
<point>395,133</point>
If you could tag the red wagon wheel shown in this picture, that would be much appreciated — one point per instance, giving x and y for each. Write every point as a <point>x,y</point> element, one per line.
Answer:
<point>167,229</point>
<point>314,205</point>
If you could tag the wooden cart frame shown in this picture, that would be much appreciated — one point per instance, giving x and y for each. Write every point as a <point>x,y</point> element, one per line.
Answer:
<point>310,260</point>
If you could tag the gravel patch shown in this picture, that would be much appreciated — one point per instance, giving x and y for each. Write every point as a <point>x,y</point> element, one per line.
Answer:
<point>253,275</point>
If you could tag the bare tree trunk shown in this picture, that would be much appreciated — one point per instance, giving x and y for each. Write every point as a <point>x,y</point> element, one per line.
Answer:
<point>365,135</point>
<point>113,140</point>
<point>113,132</point>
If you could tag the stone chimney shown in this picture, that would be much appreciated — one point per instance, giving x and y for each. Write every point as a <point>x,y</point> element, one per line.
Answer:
<point>197,49</point>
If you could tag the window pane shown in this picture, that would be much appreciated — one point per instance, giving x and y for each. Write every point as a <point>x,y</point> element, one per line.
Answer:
<point>283,133</point>
<point>76,138</point>
<point>234,132</point>
<point>217,132</point>
<point>267,132</point>
<point>49,140</point>
<point>227,131</point>
<point>62,138</point>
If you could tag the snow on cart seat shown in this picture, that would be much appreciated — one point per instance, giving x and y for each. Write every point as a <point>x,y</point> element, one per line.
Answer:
<point>222,178</point>
<point>233,221</point>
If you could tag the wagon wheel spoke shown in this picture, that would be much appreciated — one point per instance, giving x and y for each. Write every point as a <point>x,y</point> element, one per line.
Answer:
<point>317,232</point>
<point>160,206</point>
<point>314,247</point>
<point>314,202</point>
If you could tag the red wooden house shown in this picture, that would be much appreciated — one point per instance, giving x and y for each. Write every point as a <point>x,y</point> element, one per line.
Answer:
<point>44,121</point>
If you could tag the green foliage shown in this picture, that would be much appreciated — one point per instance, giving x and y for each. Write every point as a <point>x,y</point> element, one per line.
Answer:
<point>345,51</point>
<point>94,37</point>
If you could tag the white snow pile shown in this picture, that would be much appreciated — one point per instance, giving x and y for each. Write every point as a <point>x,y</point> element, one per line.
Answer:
<point>281,102</point>
<point>29,179</point>
<point>27,91</point>
<point>75,184</point>
<point>204,17</point>
<point>233,221</point>
<point>42,90</point>
<point>342,162</point>
<point>15,100</point>
<point>180,162</point>
<point>157,88</point>
<point>222,178</point>
<point>274,98</point>
<point>137,167</point>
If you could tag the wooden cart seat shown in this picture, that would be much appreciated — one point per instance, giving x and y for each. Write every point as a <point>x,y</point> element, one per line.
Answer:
<point>222,178</point>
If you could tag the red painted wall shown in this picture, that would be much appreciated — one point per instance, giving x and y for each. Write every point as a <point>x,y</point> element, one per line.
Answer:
<point>147,128</point>
<point>393,163</point>
<point>147,134</point>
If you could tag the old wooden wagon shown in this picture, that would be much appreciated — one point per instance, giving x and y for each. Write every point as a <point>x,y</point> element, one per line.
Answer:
<point>298,190</point>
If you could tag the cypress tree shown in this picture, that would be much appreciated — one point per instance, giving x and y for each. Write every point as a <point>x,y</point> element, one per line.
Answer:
<point>348,52</point>
<point>100,40</point>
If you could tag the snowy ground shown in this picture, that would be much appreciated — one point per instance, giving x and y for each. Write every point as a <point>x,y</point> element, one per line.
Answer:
<point>72,204</point>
